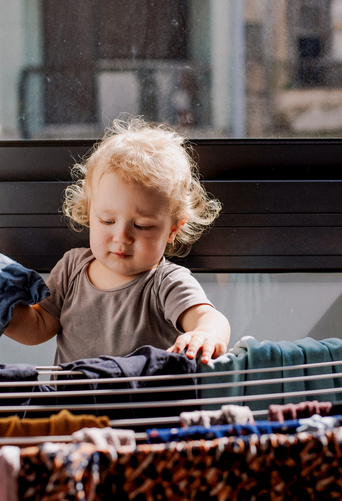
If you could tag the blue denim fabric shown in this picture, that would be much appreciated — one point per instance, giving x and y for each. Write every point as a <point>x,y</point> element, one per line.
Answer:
<point>18,285</point>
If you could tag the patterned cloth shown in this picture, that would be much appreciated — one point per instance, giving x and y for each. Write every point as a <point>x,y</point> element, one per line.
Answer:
<point>305,466</point>
<point>271,467</point>
<point>59,472</point>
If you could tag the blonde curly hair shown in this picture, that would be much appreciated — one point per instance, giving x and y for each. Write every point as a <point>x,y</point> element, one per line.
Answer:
<point>155,156</point>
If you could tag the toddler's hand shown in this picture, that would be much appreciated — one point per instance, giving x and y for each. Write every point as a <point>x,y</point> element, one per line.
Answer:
<point>199,341</point>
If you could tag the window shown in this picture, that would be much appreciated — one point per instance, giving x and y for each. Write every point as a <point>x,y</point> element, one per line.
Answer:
<point>223,69</point>
<point>310,28</point>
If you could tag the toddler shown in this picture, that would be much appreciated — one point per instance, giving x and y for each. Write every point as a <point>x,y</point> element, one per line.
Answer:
<point>140,196</point>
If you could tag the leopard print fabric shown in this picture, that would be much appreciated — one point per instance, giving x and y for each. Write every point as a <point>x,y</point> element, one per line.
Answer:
<point>304,466</point>
<point>268,467</point>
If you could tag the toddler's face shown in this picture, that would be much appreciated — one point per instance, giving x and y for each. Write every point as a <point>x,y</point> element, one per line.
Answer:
<point>130,225</point>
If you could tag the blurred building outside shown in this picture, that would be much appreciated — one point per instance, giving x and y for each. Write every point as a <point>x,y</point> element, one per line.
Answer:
<point>213,68</point>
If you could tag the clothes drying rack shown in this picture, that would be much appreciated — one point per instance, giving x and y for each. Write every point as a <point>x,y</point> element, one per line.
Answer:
<point>175,407</point>
<point>169,459</point>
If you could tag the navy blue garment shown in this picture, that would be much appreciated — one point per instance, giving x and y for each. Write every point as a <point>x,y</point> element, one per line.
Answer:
<point>10,373</point>
<point>18,285</point>
<point>145,361</point>
<point>49,399</point>
<point>17,372</point>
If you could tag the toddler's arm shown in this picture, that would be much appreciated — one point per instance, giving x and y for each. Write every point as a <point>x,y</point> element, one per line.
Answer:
<point>32,325</point>
<point>205,330</point>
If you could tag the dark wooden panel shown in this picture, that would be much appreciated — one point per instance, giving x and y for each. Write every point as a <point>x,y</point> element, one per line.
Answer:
<point>39,248</point>
<point>220,159</point>
<point>31,221</point>
<point>278,196</point>
<point>268,159</point>
<point>31,197</point>
<point>283,197</point>
<point>291,219</point>
<point>40,160</point>
<point>266,225</point>
<point>40,240</point>
<point>271,241</point>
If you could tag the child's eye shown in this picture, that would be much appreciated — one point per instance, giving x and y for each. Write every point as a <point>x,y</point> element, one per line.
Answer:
<point>139,227</point>
<point>102,221</point>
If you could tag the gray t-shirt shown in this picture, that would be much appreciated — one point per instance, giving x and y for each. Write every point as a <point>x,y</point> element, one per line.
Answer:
<point>115,322</point>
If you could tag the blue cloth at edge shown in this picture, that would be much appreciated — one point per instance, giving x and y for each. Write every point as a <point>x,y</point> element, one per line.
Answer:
<point>18,285</point>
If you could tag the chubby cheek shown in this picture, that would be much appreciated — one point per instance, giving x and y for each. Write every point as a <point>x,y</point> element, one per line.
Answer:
<point>151,245</point>
<point>98,239</point>
<point>93,243</point>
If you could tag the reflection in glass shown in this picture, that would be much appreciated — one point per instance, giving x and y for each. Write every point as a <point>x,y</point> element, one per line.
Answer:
<point>223,68</point>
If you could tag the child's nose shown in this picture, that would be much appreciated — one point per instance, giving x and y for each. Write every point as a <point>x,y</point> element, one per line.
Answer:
<point>122,234</point>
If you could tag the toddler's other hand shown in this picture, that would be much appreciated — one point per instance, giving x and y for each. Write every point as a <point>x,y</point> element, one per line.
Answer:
<point>195,342</point>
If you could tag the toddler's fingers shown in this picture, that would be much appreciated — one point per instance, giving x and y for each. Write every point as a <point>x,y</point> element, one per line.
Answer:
<point>220,349</point>
<point>208,350</point>
<point>181,343</point>
<point>195,345</point>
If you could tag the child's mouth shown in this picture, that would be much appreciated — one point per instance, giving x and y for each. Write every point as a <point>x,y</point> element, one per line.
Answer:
<point>121,255</point>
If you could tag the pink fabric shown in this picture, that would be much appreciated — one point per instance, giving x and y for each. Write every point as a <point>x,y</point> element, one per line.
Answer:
<point>306,409</point>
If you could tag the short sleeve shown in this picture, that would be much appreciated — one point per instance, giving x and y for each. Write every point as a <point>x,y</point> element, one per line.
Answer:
<point>178,291</point>
<point>59,280</point>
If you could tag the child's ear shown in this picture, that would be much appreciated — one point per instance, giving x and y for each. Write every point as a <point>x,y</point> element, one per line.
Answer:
<point>173,233</point>
<point>174,230</point>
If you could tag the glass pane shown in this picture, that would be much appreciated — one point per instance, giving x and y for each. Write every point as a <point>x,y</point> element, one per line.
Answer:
<point>267,306</point>
<point>277,306</point>
<point>213,69</point>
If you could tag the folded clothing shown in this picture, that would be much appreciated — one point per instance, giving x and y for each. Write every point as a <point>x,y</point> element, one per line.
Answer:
<point>18,285</point>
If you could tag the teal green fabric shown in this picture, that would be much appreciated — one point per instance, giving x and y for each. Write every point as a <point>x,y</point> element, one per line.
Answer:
<point>249,353</point>
<point>292,355</point>
<point>334,346</point>
<point>231,363</point>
